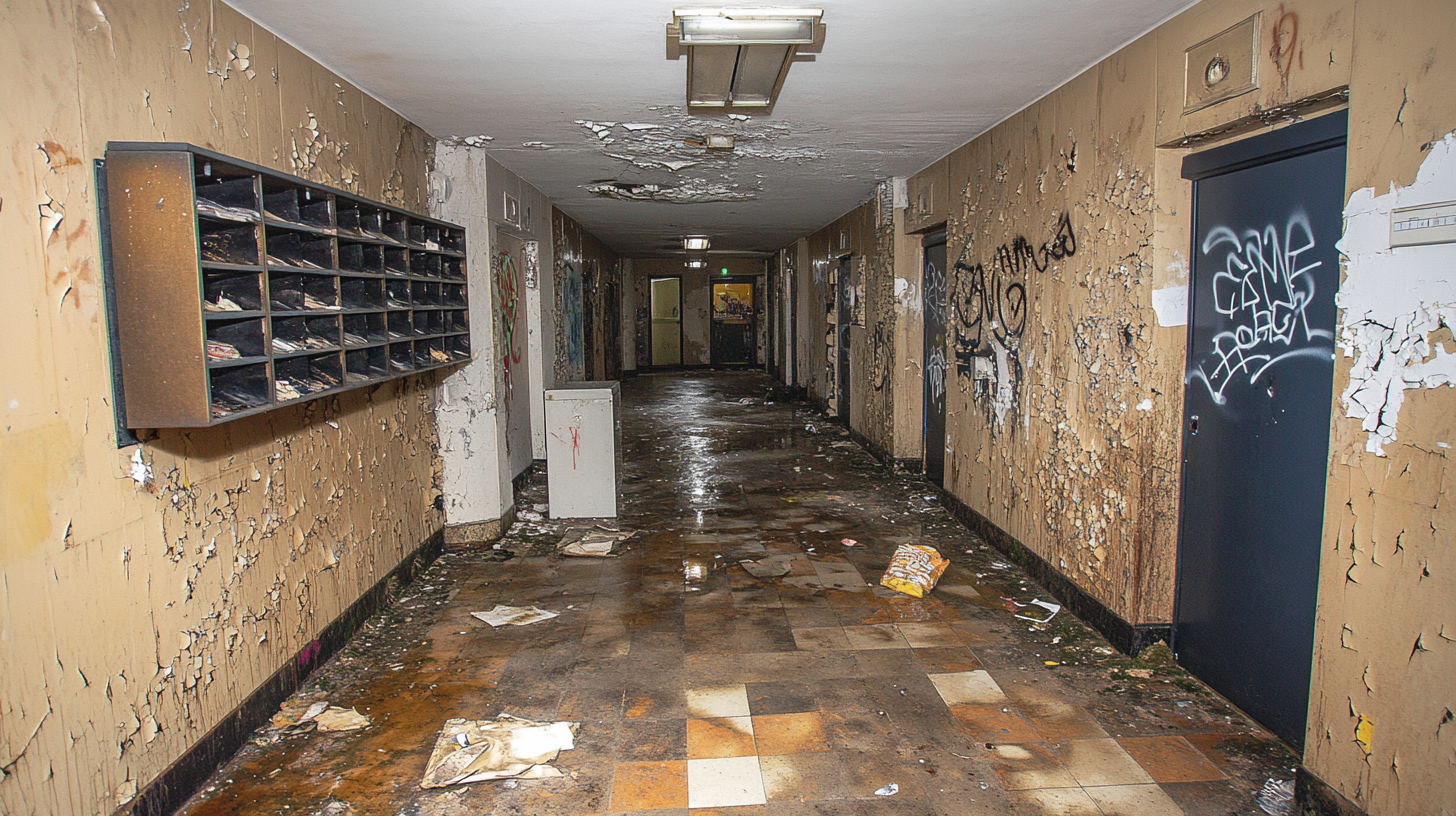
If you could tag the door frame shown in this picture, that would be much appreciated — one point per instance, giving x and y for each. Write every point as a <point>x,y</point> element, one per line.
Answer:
<point>843,326</point>
<point>753,326</point>
<point>651,360</point>
<point>1303,138</point>
<point>938,238</point>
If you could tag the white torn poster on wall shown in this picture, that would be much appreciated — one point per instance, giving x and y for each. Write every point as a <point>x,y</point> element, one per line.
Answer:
<point>1395,299</point>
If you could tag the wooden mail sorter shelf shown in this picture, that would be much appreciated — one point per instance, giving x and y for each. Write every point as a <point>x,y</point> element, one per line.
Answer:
<point>239,289</point>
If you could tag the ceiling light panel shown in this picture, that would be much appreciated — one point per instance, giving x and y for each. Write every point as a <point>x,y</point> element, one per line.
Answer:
<point>728,31</point>
<point>738,58</point>
<point>695,243</point>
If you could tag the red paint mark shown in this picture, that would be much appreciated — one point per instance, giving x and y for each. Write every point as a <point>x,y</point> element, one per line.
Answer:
<point>1284,46</point>
<point>575,443</point>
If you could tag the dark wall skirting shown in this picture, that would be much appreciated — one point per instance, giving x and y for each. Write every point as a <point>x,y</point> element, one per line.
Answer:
<point>875,450</point>
<point>1312,797</point>
<point>916,465</point>
<point>182,778</point>
<point>1126,637</point>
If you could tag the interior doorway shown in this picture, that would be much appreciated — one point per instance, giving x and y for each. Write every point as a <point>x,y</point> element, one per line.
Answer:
<point>932,291</point>
<point>844,318</point>
<point>666,322</point>
<point>734,321</point>
<point>1266,216</point>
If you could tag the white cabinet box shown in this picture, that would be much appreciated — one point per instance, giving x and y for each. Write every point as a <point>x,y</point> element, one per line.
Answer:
<point>583,449</point>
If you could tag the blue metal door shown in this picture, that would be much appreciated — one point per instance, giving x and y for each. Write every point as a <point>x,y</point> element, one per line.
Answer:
<point>1267,214</point>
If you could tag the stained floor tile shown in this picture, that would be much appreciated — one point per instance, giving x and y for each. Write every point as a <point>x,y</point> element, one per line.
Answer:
<point>994,723</point>
<point>1101,762</point>
<point>720,737</point>
<point>650,785</point>
<point>1134,800</point>
<point>958,688</point>
<point>696,684</point>
<point>719,783</point>
<point>1057,802</point>
<point>718,701</point>
<point>801,733</point>
<point>803,778</point>
<point>1171,759</point>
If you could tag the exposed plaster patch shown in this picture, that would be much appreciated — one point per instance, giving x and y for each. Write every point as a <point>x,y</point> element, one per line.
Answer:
<point>141,470</point>
<point>1394,299</point>
<point>691,191</point>
<point>96,21</point>
<point>1171,305</point>
<point>51,214</point>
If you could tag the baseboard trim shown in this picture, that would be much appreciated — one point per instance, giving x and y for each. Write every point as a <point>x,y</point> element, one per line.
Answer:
<point>173,786</point>
<point>478,535</point>
<point>1313,797</point>
<point>1126,637</point>
<point>915,465</point>
<point>874,450</point>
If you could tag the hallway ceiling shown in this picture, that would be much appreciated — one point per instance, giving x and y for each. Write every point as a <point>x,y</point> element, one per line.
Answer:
<point>564,91</point>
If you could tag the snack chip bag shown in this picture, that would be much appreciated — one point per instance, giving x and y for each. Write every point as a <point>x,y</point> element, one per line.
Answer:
<point>914,569</point>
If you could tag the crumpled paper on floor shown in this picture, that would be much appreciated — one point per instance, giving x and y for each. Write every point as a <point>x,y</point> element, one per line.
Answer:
<point>503,615</point>
<point>772,566</point>
<point>914,569</point>
<point>324,716</point>
<point>592,542</point>
<point>504,748</point>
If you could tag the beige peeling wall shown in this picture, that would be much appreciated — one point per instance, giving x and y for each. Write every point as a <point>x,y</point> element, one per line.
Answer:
<point>146,591</point>
<point>1066,434</point>
<point>1382,729</point>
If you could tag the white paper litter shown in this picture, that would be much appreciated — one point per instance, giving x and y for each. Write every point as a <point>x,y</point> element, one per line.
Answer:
<point>505,748</point>
<point>1051,608</point>
<point>504,615</point>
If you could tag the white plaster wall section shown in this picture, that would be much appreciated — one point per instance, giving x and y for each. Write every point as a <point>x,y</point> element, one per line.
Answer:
<point>476,475</point>
<point>1393,300</point>
<point>1170,301</point>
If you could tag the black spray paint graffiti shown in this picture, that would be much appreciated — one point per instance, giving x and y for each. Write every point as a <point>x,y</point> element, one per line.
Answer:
<point>1263,291</point>
<point>990,302</point>
<point>880,354</point>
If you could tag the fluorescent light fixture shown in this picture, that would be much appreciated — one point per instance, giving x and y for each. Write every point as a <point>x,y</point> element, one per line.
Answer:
<point>696,263</point>
<point>695,243</point>
<point>738,57</point>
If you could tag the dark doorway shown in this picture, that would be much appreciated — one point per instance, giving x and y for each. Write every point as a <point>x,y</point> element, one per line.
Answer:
<point>1266,216</point>
<point>734,320</point>
<point>666,310</point>
<point>844,318</point>
<point>932,292</point>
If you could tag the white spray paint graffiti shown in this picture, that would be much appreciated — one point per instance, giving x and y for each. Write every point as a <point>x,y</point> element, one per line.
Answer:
<point>935,375</point>
<point>1393,299</point>
<point>1264,290</point>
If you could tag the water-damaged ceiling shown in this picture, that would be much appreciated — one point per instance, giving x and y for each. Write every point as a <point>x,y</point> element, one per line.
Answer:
<point>578,98</point>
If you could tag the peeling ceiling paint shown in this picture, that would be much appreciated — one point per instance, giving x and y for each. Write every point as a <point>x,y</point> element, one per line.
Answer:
<point>577,98</point>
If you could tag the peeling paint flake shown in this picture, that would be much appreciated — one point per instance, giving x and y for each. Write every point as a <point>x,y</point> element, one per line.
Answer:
<point>1395,299</point>
<point>51,214</point>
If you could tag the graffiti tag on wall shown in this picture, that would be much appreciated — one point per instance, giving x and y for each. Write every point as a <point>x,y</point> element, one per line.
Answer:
<point>571,301</point>
<point>990,301</point>
<point>1263,291</point>
<point>990,305</point>
<point>507,305</point>
<point>880,355</point>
